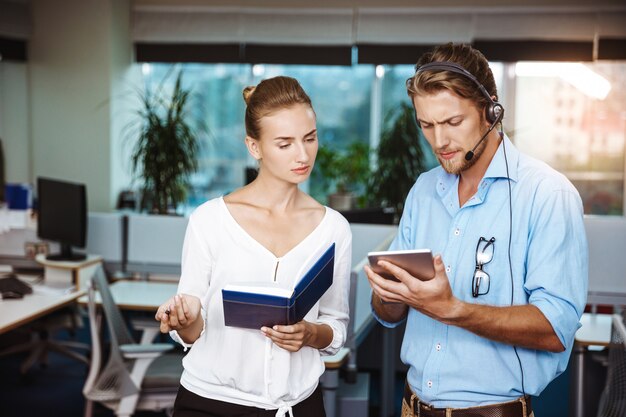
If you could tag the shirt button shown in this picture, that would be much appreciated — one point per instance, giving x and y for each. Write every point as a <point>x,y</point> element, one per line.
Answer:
<point>430,384</point>
<point>438,346</point>
<point>457,232</point>
<point>448,268</point>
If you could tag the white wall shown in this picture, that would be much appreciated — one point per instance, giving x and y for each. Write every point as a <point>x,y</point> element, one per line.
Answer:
<point>14,122</point>
<point>124,103</point>
<point>75,54</point>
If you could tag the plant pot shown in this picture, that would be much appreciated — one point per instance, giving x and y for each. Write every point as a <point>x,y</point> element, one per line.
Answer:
<point>342,201</point>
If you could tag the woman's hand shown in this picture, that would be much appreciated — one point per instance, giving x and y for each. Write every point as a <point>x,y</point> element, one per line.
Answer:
<point>293,337</point>
<point>178,313</point>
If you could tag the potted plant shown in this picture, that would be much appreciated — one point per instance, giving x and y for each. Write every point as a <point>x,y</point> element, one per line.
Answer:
<point>164,154</point>
<point>345,172</point>
<point>400,160</point>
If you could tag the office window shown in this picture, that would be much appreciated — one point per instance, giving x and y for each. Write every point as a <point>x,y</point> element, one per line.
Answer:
<point>578,130</point>
<point>340,96</point>
<point>573,116</point>
<point>218,103</point>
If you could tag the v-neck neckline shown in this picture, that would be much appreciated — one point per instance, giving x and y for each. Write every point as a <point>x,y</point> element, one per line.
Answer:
<point>259,244</point>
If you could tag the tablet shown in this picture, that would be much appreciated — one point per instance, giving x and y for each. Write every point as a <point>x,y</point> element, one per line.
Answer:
<point>417,262</point>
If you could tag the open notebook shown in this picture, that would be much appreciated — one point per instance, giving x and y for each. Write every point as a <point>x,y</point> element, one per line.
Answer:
<point>258,304</point>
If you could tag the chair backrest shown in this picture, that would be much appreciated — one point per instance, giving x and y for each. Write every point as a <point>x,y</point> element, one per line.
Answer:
<point>118,331</point>
<point>613,399</point>
<point>113,381</point>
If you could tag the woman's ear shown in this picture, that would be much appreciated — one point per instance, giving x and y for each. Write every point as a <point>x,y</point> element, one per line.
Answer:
<point>253,147</point>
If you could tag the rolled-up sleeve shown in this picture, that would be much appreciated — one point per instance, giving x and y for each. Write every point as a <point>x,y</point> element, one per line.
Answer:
<point>557,263</point>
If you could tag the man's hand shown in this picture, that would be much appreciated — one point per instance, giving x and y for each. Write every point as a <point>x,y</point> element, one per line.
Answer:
<point>433,298</point>
<point>520,325</point>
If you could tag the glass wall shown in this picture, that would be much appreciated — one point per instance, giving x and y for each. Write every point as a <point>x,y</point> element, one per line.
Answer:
<point>573,116</point>
<point>570,115</point>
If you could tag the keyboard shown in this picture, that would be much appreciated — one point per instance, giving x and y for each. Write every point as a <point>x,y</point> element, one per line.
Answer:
<point>10,283</point>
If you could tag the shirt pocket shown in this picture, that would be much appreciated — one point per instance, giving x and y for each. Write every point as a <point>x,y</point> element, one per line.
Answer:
<point>505,272</point>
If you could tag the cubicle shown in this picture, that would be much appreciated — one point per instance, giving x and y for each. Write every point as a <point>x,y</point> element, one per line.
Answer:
<point>155,243</point>
<point>606,236</point>
<point>139,244</point>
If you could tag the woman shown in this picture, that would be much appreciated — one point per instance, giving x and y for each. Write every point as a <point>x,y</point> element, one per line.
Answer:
<point>262,232</point>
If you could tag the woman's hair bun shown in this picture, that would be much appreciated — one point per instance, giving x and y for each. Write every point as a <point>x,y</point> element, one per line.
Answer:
<point>247,93</point>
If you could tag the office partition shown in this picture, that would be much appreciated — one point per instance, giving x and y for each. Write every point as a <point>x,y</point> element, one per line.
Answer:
<point>606,236</point>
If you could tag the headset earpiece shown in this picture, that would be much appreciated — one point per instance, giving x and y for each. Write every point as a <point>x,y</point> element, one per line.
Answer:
<point>494,112</point>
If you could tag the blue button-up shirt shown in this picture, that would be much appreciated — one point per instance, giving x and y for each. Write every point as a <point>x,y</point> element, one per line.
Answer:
<point>450,366</point>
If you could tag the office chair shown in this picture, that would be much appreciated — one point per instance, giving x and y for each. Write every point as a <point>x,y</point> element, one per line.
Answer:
<point>136,376</point>
<point>613,399</point>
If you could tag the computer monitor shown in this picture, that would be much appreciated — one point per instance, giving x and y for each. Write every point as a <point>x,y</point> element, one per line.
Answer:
<point>62,216</point>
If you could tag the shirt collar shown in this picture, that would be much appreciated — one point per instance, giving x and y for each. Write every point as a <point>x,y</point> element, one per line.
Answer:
<point>498,166</point>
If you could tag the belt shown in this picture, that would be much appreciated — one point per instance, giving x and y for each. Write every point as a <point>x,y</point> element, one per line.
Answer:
<point>518,408</point>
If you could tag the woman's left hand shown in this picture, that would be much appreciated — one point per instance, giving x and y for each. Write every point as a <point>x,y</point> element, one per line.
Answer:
<point>293,337</point>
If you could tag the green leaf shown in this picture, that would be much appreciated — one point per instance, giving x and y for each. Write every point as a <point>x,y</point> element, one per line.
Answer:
<point>164,155</point>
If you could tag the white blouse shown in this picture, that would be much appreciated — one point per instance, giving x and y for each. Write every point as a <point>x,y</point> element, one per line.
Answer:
<point>243,366</point>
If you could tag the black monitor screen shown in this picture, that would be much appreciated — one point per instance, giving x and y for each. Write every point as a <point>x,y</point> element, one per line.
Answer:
<point>62,216</point>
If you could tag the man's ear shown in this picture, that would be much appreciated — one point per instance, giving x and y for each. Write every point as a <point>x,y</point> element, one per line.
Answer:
<point>253,147</point>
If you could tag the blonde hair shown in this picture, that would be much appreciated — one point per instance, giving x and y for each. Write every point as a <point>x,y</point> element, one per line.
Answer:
<point>269,96</point>
<point>428,82</point>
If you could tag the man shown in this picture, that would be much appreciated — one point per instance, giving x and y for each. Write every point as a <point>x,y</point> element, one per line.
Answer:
<point>497,322</point>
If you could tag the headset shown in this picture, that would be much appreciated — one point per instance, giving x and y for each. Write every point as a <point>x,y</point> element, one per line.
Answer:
<point>494,112</point>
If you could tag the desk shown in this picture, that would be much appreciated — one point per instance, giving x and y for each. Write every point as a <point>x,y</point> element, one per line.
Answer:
<point>139,295</point>
<point>43,300</point>
<point>595,331</point>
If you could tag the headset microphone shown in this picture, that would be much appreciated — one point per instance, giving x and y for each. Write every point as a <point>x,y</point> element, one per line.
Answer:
<point>499,112</point>
<point>469,155</point>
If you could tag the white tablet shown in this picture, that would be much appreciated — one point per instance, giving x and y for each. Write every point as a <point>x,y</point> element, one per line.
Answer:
<point>417,262</point>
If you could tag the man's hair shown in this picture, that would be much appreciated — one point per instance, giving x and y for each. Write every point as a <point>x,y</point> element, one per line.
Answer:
<point>432,81</point>
<point>269,96</point>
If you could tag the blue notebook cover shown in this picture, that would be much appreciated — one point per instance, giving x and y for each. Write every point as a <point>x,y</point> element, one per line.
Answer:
<point>253,310</point>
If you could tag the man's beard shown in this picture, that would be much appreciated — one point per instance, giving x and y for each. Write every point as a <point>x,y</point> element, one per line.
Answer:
<point>453,167</point>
